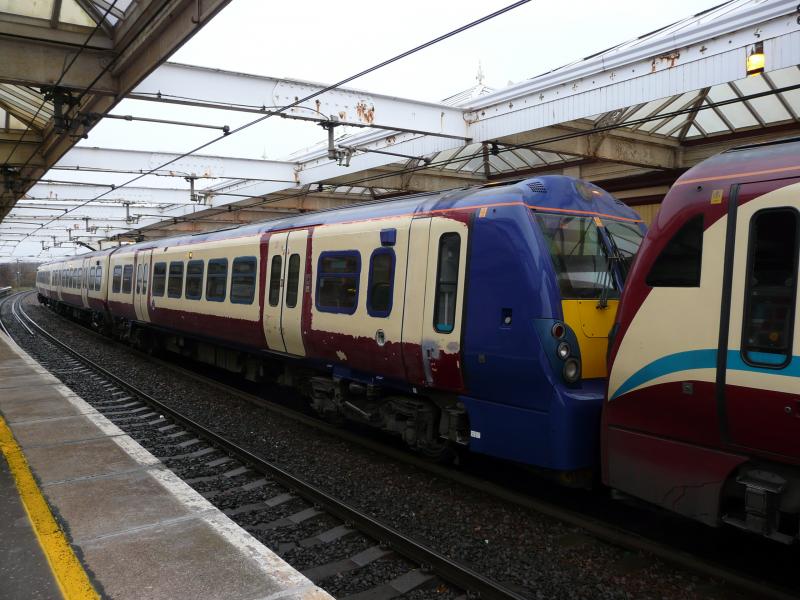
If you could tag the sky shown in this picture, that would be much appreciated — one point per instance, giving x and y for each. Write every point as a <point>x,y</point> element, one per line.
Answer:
<point>325,42</point>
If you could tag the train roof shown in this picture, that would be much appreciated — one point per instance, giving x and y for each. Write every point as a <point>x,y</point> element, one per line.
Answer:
<point>549,192</point>
<point>778,159</point>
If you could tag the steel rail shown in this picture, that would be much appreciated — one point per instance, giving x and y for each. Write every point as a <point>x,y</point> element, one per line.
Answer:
<point>449,570</point>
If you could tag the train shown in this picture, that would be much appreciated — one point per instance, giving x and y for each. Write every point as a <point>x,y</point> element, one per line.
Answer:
<point>703,403</point>
<point>472,319</point>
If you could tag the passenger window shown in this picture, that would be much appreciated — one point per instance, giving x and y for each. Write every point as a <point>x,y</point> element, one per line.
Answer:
<point>243,280</point>
<point>117,279</point>
<point>145,274</point>
<point>127,279</point>
<point>99,278</point>
<point>217,279</point>
<point>679,263</point>
<point>337,281</point>
<point>138,279</point>
<point>159,278</point>
<point>292,280</point>
<point>91,279</point>
<point>194,279</point>
<point>275,280</point>
<point>381,281</point>
<point>444,311</point>
<point>771,293</point>
<point>175,283</point>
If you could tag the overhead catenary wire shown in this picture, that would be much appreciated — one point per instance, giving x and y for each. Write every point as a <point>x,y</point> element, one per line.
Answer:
<point>319,92</point>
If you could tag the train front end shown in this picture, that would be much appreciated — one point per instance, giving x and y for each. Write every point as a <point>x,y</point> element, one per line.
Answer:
<point>542,368</point>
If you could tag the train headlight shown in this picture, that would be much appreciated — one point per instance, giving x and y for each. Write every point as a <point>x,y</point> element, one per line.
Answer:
<point>558,331</point>
<point>572,370</point>
<point>563,351</point>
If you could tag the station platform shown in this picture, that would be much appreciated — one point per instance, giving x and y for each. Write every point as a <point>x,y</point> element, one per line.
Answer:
<point>87,512</point>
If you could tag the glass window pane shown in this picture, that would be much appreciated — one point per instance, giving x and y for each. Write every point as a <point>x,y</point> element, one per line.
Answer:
<point>444,313</point>
<point>680,261</point>
<point>771,292</point>
<point>292,280</point>
<point>381,280</point>
<point>337,281</point>
<point>175,281</point>
<point>216,280</point>
<point>243,280</point>
<point>117,279</point>
<point>194,279</point>
<point>127,279</point>
<point>159,278</point>
<point>275,280</point>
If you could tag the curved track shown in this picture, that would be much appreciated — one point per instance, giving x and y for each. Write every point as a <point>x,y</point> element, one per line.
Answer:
<point>426,559</point>
<point>448,570</point>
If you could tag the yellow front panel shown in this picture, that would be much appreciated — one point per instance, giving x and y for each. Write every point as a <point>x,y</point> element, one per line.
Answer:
<point>591,326</point>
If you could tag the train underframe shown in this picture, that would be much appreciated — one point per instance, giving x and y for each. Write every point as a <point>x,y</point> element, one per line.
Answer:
<point>435,425</point>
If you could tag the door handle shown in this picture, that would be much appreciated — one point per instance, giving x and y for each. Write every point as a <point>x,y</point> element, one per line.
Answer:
<point>793,408</point>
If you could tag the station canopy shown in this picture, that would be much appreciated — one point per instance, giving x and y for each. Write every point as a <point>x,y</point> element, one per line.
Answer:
<point>631,119</point>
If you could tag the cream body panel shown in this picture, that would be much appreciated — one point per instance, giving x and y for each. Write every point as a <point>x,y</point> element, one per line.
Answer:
<point>672,320</point>
<point>364,237</point>
<point>230,249</point>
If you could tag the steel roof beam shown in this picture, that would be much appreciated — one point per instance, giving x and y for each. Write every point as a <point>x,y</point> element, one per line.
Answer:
<point>58,191</point>
<point>214,88</point>
<point>195,165</point>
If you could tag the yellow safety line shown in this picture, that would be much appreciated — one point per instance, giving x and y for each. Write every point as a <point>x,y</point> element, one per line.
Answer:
<point>68,572</point>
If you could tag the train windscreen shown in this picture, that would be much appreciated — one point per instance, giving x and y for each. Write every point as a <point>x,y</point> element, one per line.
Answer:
<point>583,258</point>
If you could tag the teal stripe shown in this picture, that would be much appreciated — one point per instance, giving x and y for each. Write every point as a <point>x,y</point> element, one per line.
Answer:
<point>699,359</point>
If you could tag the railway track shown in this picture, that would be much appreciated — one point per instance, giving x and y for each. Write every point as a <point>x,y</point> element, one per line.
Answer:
<point>244,485</point>
<point>427,565</point>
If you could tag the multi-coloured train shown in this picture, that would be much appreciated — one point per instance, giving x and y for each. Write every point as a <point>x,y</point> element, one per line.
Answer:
<point>472,318</point>
<point>703,411</point>
<point>482,317</point>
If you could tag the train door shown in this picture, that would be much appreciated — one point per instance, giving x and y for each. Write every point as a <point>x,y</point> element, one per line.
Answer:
<point>85,265</point>
<point>414,303</point>
<point>438,323</point>
<point>141,286</point>
<point>283,302</point>
<point>761,397</point>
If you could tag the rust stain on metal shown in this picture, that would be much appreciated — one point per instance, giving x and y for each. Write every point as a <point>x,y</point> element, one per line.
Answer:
<point>365,113</point>
<point>671,59</point>
<point>318,104</point>
<point>391,139</point>
<point>342,115</point>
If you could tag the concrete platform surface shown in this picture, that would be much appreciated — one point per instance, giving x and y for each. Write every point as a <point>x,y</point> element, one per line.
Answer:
<point>137,529</point>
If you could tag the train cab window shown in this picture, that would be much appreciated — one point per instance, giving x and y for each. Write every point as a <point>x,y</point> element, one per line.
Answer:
<point>243,280</point>
<point>127,279</point>
<point>771,292</point>
<point>194,279</point>
<point>117,285</point>
<point>337,281</point>
<point>175,281</point>
<point>679,263</point>
<point>275,280</point>
<point>381,281</point>
<point>292,280</point>
<point>444,311</point>
<point>216,279</point>
<point>159,278</point>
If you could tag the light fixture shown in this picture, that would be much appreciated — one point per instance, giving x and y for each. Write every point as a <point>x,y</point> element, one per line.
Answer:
<point>756,60</point>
